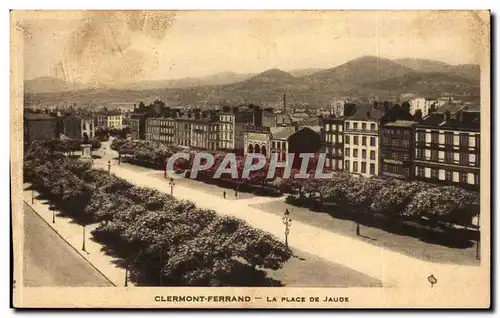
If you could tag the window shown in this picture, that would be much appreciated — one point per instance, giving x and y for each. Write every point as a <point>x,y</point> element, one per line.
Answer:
<point>448,156</point>
<point>464,158</point>
<point>463,177</point>
<point>355,153</point>
<point>464,140</point>
<point>406,172</point>
<point>346,165</point>
<point>421,136</point>
<point>355,142</point>
<point>363,154</point>
<point>435,137</point>
<point>355,126</point>
<point>406,143</point>
<point>372,154</point>
<point>363,141</point>
<point>434,155</point>
<point>372,141</point>
<point>434,173</point>
<point>476,178</point>
<point>347,152</point>
<point>347,139</point>
<point>372,168</point>
<point>363,167</point>
<point>448,175</point>
<point>372,126</point>
<point>419,154</point>
<point>355,166</point>
<point>420,171</point>
<point>363,126</point>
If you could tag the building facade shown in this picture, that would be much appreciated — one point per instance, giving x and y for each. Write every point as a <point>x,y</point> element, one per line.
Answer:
<point>134,125</point>
<point>231,134</point>
<point>39,127</point>
<point>397,147</point>
<point>257,140</point>
<point>199,131</point>
<point>333,142</point>
<point>79,127</point>
<point>161,130</point>
<point>109,120</point>
<point>361,141</point>
<point>448,149</point>
<point>422,104</point>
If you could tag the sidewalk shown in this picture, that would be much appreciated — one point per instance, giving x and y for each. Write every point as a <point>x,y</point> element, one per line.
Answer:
<point>392,268</point>
<point>72,233</point>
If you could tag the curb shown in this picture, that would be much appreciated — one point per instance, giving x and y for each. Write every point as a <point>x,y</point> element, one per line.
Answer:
<point>74,248</point>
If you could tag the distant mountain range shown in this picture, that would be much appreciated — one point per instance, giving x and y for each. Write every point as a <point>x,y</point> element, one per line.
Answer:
<point>362,77</point>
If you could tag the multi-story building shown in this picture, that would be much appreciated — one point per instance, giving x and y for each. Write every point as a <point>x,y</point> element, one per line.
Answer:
<point>257,139</point>
<point>397,145</point>
<point>279,141</point>
<point>109,120</point>
<point>361,140</point>
<point>134,124</point>
<point>161,130</point>
<point>231,134</point>
<point>448,148</point>
<point>200,130</point>
<point>333,142</point>
<point>79,127</point>
<point>423,104</point>
<point>39,127</point>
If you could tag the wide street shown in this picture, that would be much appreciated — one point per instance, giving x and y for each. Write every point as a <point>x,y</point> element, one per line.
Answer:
<point>50,262</point>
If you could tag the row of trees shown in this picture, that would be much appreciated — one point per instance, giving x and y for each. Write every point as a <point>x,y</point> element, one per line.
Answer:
<point>393,198</point>
<point>69,146</point>
<point>163,240</point>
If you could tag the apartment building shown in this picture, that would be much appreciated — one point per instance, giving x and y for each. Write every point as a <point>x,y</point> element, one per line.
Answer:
<point>39,127</point>
<point>423,104</point>
<point>361,140</point>
<point>161,130</point>
<point>448,148</point>
<point>397,147</point>
<point>333,142</point>
<point>199,130</point>
<point>231,134</point>
<point>109,120</point>
<point>79,127</point>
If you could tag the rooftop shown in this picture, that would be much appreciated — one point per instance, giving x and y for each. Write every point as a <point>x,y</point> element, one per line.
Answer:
<point>282,132</point>
<point>462,120</point>
<point>37,116</point>
<point>367,112</point>
<point>401,123</point>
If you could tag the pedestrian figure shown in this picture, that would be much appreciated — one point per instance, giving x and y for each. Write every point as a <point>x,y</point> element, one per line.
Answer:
<point>224,194</point>
<point>235,193</point>
<point>357,228</point>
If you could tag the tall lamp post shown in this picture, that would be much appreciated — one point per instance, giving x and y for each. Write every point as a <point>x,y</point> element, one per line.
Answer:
<point>171,183</point>
<point>83,237</point>
<point>53,216</point>
<point>287,220</point>
<point>478,242</point>
<point>32,196</point>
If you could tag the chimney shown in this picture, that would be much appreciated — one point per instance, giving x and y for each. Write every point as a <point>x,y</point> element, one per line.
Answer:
<point>284,103</point>
<point>368,114</point>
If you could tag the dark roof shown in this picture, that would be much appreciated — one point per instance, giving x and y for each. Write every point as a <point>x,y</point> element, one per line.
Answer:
<point>37,116</point>
<point>460,121</point>
<point>367,112</point>
<point>109,113</point>
<point>452,108</point>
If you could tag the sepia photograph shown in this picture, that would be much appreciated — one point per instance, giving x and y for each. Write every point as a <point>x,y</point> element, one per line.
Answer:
<point>250,159</point>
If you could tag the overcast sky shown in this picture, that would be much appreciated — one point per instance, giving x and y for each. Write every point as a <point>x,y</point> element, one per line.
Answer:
<point>121,47</point>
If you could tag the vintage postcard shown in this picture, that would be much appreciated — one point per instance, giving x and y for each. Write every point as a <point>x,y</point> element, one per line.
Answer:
<point>250,159</point>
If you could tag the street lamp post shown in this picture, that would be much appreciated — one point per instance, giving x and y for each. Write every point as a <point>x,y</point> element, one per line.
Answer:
<point>126,276</point>
<point>171,184</point>
<point>109,166</point>
<point>357,228</point>
<point>287,221</point>
<point>478,242</point>
<point>83,236</point>
<point>32,196</point>
<point>53,216</point>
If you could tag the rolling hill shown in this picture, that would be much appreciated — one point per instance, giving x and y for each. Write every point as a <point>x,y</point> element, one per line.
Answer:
<point>362,77</point>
